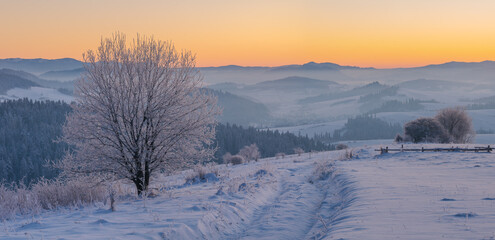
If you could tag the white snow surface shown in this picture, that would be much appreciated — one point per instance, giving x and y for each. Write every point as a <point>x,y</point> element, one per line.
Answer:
<point>37,93</point>
<point>414,195</point>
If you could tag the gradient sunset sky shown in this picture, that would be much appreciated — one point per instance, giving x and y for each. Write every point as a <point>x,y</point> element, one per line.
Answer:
<point>366,33</point>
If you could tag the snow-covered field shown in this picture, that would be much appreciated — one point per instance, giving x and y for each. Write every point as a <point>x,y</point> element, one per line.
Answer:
<point>38,93</point>
<point>391,196</point>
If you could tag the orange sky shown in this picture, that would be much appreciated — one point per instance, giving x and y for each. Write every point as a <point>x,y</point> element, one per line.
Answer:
<point>366,33</point>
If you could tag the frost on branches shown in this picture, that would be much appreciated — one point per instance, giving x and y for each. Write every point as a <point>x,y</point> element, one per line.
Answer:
<point>139,111</point>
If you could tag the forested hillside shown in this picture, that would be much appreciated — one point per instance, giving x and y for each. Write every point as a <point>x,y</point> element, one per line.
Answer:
<point>240,110</point>
<point>9,81</point>
<point>27,133</point>
<point>28,130</point>
<point>231,138</point>
<point>363,127</point>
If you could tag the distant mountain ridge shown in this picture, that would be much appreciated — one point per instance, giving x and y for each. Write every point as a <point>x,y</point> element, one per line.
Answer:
<point>455,64</point>
<point>63,75</point>
<point>69,85</point>
<point>295,82</point>
<point>40,65</point>
<point>313,66</point>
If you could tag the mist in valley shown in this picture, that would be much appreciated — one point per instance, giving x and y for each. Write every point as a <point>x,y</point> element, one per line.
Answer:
<point>308,99</point>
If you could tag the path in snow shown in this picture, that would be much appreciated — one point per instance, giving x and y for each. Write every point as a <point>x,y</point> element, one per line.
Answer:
<point>302,209</point>
<point>293,212</point>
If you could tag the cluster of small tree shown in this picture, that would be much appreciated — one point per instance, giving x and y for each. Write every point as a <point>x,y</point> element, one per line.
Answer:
<point>377,96</point>
<point>449,125</point>
<point>28,130</point>
<point>363,127</point>
<point>231,138</point>
<point>480,106</point>
<point>485,131</point>
<point>399,106</point>
<point>247,153</point>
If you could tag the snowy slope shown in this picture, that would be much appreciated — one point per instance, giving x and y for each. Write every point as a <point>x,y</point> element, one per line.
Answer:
<point>37,93</point>
<point>392,196</point>
<point>421,196</point>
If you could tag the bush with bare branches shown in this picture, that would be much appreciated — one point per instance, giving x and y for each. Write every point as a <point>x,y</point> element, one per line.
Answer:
<point>235,160</point>
<point>457,123</point>
<point>298,151</point>
<point>426,130</point>
<point>250,152</point>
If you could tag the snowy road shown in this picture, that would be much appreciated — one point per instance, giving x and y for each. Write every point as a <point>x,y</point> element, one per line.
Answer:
<point>294,211</point>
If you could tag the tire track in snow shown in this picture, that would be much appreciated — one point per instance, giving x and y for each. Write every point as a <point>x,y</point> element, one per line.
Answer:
<point>301,210</point>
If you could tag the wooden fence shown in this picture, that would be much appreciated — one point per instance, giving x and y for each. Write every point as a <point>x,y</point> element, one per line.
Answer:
<point>422,149</point>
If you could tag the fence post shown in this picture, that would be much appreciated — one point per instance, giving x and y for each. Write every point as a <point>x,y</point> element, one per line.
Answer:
<point>422,149</point>
<point>489,149</point>
<point>402,148</point>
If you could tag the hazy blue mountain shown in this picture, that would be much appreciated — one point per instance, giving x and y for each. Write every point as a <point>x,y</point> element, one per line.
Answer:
<point>311,66</point>
<point>240,110</point>
<point>293,83</point>
<point>226,86</point>
<point>459,65</point>
<point>40,65</point>
<point>428,84</point>
<point>291,67</point>
<point>65,75</point>
<point>233,68</point>
<point>358,91</point>
<point>41,82</point>
<point>9,81</point>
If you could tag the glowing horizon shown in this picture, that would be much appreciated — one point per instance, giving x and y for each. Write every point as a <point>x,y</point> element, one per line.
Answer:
<point>379,34</point>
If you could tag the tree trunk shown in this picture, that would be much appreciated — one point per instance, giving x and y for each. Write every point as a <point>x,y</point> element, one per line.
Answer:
<point>139,180</point>
<point>139,185</point>
<point>147,174</point>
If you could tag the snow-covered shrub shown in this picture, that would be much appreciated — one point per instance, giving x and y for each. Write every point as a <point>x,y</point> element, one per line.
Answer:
<point>52,194</point>
<point>48,194</point>
<point>17,199</point>
<point>426,130</point>
<point>321,171</point>
<point>264,169</point>
<point>250,152</point>
<point>398,138</point>
<point>298,151</point>
<point>341,146</point>
<point>226,158</point>
<point>239,184</point>
<point>235,159</point>
<point>347,154</point>
<point>280,155</point>
<point>457,124</point>
<point>203,173</point>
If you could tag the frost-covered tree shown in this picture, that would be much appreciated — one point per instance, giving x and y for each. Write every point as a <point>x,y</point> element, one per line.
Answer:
<point>139,111</point>
<point>298,151</point>
<point>425,129</point>
<point>457,123</point>
<point>250,152</point>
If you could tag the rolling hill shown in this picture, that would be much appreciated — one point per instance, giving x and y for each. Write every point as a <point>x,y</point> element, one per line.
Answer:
<point>9,81</point>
